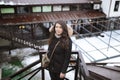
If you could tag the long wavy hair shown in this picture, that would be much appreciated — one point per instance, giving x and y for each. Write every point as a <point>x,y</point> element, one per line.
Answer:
<point>64,36</point>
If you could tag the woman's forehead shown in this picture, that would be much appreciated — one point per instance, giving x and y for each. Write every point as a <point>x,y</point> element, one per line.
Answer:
<point>58,25</point>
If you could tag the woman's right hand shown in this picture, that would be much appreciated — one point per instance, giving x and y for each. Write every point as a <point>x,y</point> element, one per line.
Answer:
<point>62,75</point>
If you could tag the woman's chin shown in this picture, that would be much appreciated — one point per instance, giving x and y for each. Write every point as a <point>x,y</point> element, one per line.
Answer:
<point>58,34</point>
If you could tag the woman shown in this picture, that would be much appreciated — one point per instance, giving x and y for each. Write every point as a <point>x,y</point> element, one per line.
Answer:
<point>61,56</point>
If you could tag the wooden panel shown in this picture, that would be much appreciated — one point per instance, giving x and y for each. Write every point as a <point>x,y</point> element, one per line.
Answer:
<point>48,17</point>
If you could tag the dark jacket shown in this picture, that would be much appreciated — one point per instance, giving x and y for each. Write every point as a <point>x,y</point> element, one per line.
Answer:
<point>61,57</point>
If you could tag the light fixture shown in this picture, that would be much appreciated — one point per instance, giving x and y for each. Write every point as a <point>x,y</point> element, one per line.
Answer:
<point>21,27</point>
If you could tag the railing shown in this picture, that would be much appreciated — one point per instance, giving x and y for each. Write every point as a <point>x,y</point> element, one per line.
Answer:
<point>79,66</point>
<point>24,42</point>
<point>82,67</point>
<point>0,73</point>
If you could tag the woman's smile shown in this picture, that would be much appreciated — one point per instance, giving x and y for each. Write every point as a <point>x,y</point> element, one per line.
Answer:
<point>58,29</point>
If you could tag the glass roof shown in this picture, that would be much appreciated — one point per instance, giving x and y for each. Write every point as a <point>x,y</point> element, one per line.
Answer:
<point>100,49</point>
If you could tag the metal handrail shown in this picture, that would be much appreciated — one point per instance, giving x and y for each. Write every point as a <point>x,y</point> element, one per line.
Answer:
<point>80,64</point>
<point>80,69</point>
<point>10,77</point>
<point>83,71</point>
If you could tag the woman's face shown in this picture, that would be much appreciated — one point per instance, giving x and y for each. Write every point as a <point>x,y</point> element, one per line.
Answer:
<point>58,29</point>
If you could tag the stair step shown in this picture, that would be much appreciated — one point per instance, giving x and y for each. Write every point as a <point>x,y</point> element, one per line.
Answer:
<point>96,76</point>
<point>112,68</point>
<point>110,74</point>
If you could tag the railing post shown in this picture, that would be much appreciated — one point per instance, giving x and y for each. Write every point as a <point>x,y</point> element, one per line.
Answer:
<point>43,74</point>
<point>42,70</point>
<point>76,68</point>
<point>0,73</point>
<point>83,67</point>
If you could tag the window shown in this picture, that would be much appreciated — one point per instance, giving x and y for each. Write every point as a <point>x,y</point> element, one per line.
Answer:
<point>66,8</point>
<point>116,5</point>
<point>96,6</point>
<point>46,8</point>
<point>23,10</point>
<point>46,24</point>
<point>36,9</point>
<point>74,7</point>
<point>86,7</point>
<point>57,8</point>
<point>7,10</point>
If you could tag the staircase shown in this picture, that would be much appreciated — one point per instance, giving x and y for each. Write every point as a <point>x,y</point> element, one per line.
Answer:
<point>22,42</point>
<point>91,72</point>
<point>104,72</point>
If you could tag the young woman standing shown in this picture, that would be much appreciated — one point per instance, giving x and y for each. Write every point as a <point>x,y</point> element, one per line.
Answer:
<point>61,56</point>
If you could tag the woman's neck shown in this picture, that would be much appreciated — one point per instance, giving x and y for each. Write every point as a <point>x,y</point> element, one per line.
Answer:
<point>57,36</point>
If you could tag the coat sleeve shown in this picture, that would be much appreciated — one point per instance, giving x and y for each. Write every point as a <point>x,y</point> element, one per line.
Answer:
<point>67,58</point>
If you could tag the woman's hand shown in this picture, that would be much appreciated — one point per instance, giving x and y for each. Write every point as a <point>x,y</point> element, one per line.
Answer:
<point>62,75</point>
